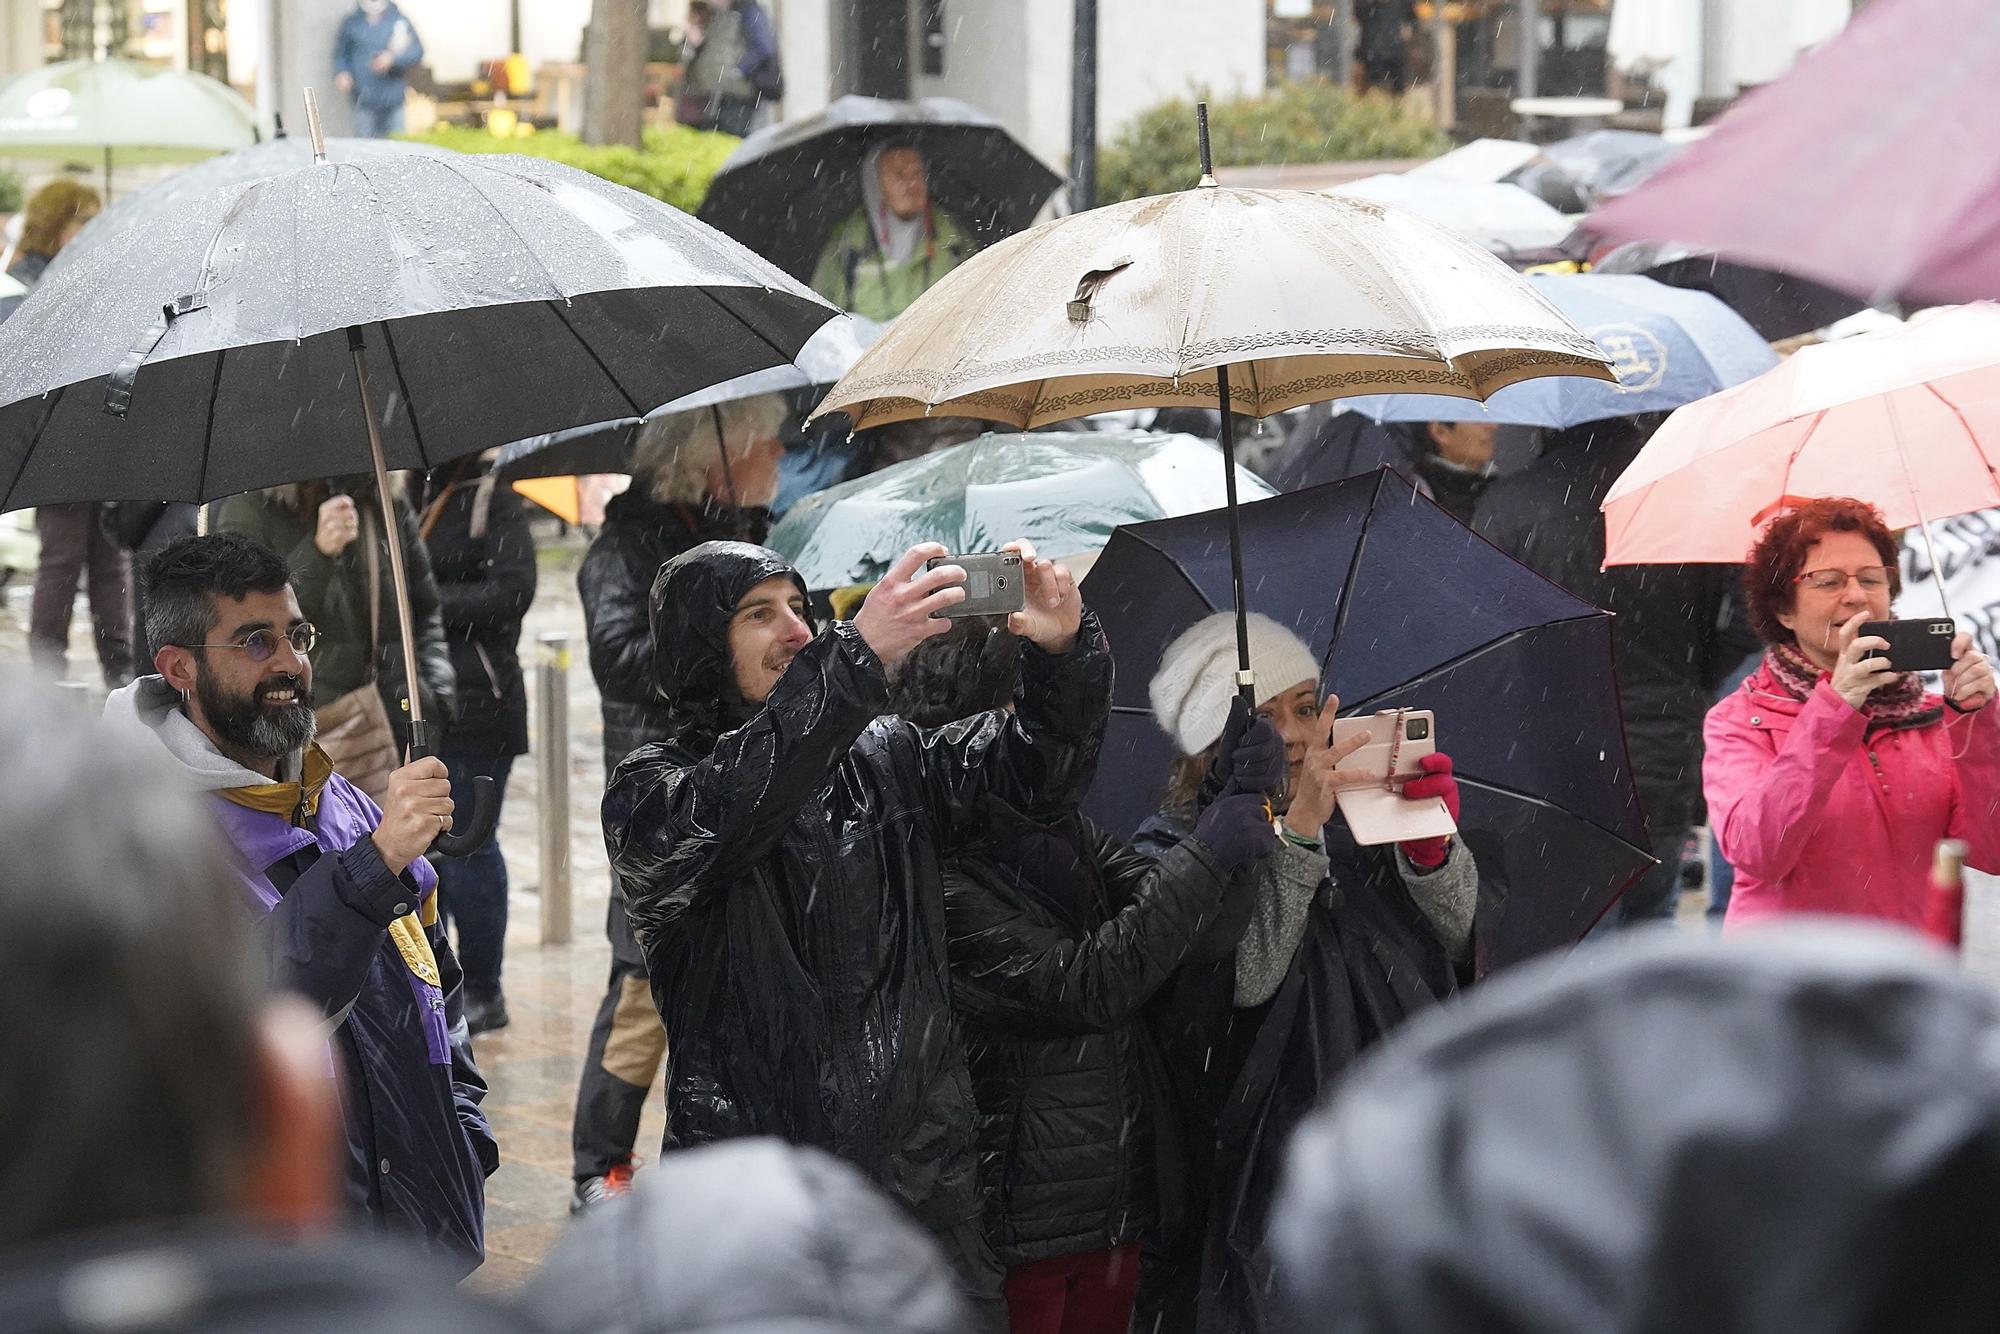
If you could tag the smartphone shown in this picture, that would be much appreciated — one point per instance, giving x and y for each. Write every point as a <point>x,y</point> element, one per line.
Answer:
<point>1914,646</point>
<point>995,583</point>
<point>1371,797</point>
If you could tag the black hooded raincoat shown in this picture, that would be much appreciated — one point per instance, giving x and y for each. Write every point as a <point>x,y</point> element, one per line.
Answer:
<point>782,870</point>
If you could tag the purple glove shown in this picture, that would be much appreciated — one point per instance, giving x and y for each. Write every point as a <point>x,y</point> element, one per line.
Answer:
<point>1237,829</point>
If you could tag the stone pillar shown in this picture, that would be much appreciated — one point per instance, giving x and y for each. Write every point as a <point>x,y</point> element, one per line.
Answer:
<point>305,30</point>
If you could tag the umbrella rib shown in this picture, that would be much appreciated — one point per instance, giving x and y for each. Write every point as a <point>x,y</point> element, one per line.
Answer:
<point>557,309</point>
<point>403,387</point>
<point>1530,799</point>
<point>1958,415</point>
<point>55,399</point>
<point>1347,580</point>
<point>709,294</point>
<point>208,431</point>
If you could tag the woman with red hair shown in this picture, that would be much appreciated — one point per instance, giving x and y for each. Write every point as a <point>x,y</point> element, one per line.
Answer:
<point>1830,775</point>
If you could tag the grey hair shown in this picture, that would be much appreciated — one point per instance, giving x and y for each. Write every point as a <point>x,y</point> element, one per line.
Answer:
<point>131,984</point>
<point>677,452</point>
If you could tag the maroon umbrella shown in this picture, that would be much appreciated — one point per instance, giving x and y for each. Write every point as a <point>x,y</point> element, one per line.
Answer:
<point>1872,166</point>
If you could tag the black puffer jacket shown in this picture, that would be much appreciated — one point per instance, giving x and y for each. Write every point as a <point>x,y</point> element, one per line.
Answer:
<point>754,1237</point>
<point>483,558</point>
<point>1059,934</point>
<point>1680,629</point>
<point>782,869</point>
<point>640,535</point>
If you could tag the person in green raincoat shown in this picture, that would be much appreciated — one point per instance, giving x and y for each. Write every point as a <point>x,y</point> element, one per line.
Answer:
<point>888,252</point>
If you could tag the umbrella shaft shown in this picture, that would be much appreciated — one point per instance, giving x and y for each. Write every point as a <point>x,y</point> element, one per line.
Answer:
<point>399,578</point>
<point>1244,684</point>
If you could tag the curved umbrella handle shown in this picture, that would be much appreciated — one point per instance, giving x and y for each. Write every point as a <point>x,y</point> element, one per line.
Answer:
<point>476,827</point>
<point>471,834</point>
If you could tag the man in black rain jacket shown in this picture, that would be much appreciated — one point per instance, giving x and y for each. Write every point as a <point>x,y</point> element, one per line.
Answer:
<point>780,856</point>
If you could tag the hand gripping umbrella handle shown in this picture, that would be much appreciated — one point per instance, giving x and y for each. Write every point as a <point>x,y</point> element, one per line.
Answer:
<point>475,827</point>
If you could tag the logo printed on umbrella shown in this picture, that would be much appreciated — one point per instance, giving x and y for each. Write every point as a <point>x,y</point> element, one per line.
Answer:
<point>47,104</point>
<point>1639,358</point>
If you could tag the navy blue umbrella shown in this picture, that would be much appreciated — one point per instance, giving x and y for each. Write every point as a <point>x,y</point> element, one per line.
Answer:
<point>1777,304</point>
<point>1669,346</point>
<point>1405,608</point>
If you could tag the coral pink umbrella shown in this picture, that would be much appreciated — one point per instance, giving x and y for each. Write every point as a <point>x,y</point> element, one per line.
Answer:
<point>1907,419</point>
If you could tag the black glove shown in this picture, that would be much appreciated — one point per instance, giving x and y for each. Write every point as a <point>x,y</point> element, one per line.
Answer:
<point>1259,764</point>
<point>1223,765</point>
<point>1237,829</point>
<point>1249,747</point>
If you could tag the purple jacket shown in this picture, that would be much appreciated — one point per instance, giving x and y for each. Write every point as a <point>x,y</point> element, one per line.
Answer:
<point>419,1148</point>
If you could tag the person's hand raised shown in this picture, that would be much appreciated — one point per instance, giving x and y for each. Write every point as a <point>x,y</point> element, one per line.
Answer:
<point>1052,609</point>
<point>1968,682</point>
<point>1855,677</point>
<point>339,525</point>
<point>897,615</point>
<point>1313,800</point>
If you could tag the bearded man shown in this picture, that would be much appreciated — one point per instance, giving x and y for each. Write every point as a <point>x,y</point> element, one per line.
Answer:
<point>346,899</point>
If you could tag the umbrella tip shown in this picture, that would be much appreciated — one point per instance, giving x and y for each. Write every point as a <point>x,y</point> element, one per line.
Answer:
<point>1201,136</point>
<point>313,128</point>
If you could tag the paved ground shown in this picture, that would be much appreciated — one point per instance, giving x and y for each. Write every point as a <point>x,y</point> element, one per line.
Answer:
<point>552,990</point>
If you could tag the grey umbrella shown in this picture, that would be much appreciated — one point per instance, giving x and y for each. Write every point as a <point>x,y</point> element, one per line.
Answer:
<point>231,339</point>
<point>607,446</point>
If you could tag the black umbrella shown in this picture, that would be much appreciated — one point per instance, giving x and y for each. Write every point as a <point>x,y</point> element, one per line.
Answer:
<point>786,187</point>
<point>397,310</point>
<point>1777,305</point>
<point>1610,162</point>
<point>1405,608</point>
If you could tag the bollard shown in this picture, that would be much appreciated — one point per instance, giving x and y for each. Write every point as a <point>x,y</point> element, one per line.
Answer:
<point>552,771</point>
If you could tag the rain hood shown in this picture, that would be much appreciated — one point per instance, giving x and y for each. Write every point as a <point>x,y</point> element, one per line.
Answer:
<point>1796,1131</point>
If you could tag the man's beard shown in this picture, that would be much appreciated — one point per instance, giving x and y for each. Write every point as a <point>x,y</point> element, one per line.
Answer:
<point>252,727</point>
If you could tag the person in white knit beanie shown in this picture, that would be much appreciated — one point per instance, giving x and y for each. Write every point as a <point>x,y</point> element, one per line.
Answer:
<point>1334,944</point>
<point>1197,678</point>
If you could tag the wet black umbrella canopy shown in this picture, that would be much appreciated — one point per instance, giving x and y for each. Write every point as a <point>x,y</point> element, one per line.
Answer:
<point>786,188</point>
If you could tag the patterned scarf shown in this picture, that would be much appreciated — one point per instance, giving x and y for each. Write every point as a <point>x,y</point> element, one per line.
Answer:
<point>1899,704</point>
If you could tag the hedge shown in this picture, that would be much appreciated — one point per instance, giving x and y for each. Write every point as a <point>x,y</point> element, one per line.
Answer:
<point>676,163</point>
<point>1311,121</point>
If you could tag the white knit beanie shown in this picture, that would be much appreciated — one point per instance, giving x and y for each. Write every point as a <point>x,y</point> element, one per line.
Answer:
<point>1197,677</point>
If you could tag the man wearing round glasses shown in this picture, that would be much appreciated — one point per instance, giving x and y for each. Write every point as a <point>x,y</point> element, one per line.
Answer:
<point>348,900</point>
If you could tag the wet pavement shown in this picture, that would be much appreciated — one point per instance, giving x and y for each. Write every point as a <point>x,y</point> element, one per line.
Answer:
<point>552,990</point>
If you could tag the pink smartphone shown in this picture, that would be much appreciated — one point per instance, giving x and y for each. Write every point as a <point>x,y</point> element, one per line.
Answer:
<point>1371,795</point>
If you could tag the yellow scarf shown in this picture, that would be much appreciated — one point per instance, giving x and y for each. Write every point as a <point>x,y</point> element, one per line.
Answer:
<point>299,802</point>
<point>294,801</point>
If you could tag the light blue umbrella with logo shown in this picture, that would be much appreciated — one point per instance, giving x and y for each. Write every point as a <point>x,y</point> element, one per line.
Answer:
<point>1668,345</point>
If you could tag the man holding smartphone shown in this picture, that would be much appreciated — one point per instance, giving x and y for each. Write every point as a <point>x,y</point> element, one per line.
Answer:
<point>781,860</point>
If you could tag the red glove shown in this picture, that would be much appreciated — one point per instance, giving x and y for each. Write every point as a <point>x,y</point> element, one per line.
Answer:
<point>1436,781</point>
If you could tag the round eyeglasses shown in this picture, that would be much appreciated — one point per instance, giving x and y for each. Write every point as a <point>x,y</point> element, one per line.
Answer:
<point>260,645</point>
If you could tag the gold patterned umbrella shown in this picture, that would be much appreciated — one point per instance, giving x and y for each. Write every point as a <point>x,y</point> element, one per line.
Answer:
<point>1251,300</point>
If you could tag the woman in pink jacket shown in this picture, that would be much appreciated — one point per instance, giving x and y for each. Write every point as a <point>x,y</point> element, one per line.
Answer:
<point>1830,776</point>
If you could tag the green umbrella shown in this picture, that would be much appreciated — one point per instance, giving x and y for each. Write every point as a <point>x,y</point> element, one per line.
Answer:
<point>119,113</point>
<point>1062,490</point>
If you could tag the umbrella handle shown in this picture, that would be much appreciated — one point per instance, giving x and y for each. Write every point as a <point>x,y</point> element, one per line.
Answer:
<point>471,833</point>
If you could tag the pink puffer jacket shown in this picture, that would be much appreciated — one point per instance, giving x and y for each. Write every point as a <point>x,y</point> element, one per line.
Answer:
<point>1817,819</point>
